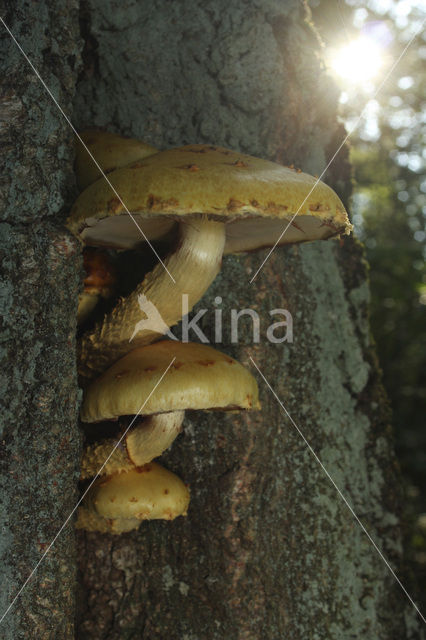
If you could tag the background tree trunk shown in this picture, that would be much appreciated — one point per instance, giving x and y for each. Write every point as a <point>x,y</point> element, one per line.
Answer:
<point>41,270</point>
<point>268,550</point>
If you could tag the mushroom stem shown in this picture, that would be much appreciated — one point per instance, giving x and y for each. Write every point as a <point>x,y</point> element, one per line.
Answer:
<point>193,265</point>
<point>153,435</point>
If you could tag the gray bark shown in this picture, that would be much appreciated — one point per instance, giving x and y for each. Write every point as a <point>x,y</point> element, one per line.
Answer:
<point>40,266</point>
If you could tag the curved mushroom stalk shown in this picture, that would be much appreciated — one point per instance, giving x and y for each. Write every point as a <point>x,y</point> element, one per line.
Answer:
<point>156,304</point>
<point>153,435</point>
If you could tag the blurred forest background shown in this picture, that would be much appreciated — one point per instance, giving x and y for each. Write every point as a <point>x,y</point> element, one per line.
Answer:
<point>362,40</point>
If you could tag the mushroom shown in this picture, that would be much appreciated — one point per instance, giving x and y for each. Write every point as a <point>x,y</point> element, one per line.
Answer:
<point>119,502</point>
<point>199,377</point>
<point>99,281</point>
<point>110,151</point>
<point>222,201</point>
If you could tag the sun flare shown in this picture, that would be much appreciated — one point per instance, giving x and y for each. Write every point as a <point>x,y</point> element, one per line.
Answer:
<point>358,61</point>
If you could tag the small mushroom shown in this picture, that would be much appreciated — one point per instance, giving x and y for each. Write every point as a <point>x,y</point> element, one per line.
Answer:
<point>199,378</point>
<point>119,502</point>
<point>222,201</point>
<point>99,281</point>
<point>110,151</point>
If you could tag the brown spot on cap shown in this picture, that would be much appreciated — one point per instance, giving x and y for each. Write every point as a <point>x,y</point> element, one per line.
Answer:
<point>142,515</point>
<point>166,492</point>
<point>189,167</point>
<point>272,207</point>
<point>318,207</point>
<point>114,205</point>
<point>120,374</point>
<point>157,204</point>
<point>205,363</point>
<point>239,163</point>
<point>143,469</point>
<point>133,499</point>
<point>254,203</point>
<point>176,365</point>
<point>152,368</point>
<point>138,165</point>
<point>234,205</point>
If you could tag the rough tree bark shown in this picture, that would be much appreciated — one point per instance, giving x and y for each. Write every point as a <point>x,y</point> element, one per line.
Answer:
<point>268,550</point>
<point>41,270</point>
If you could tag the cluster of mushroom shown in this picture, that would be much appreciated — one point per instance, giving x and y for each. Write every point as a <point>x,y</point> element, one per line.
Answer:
<point>209,201</point>
<point>132,488</point>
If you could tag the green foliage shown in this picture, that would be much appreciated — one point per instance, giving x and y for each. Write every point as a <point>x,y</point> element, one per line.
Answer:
<point>389,212</point>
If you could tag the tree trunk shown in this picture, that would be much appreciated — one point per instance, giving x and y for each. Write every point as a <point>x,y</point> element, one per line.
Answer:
<point>40,266</point>
<point>268,549</point>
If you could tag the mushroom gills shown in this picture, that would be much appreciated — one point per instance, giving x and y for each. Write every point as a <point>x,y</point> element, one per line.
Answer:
<point>156,304</point>
<point>142,443</point>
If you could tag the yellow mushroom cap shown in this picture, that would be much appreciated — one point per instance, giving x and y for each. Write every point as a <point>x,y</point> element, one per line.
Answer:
<point>255,198</point>
<point>89,520</point>
<point>110,151</point>
<point>199,378</point>
<point>145,493</point>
